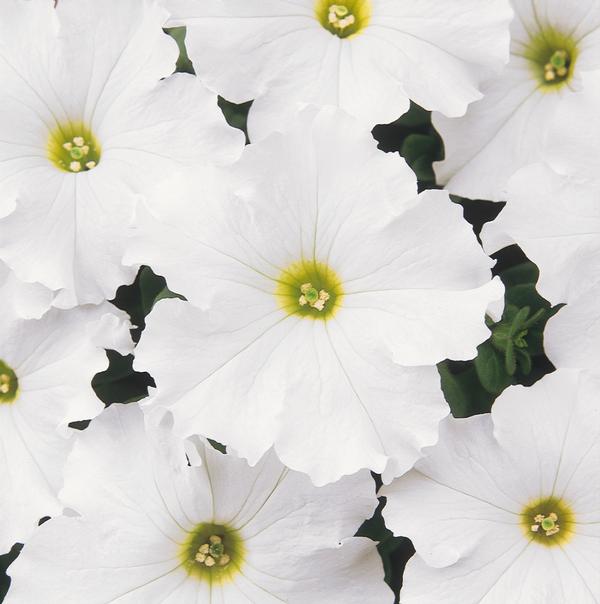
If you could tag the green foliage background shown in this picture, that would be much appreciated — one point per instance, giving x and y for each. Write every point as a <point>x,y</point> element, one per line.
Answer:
<point>513,355</point>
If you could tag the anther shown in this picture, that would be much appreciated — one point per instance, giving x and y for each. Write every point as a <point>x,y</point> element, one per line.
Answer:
<point>557,66</point>
<point>212,553</point>
<point>311,296</point>
<point>340,17</point>
<point>4,383</point>
<point>549,524</point>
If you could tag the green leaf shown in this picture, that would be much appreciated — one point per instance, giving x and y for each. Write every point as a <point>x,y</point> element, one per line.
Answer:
<point>490,369</point>
<point>525,294</point>
<point>518,321</point>
<point>152,289</point>
<point>463,390</point>
<point>420,151</point>
<point>415,118</point>
<point>184,65</point>
<point>5,561</point>
<point>524,361</point>
<point>526,272</point>
<point>510,358</point>
<point>236,115</point>
<point>537,316</point>
<point>120,383</point>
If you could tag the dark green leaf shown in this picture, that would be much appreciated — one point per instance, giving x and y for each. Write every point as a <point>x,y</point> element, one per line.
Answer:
<point>524,361</point>
<point>463,391</point>
<point>491,369</point>
<point>510,359</point>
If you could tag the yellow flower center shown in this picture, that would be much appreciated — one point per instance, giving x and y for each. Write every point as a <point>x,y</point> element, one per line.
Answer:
<point>213,553</point>
<point>72,147</point>
<point>343,18</point>
<point>548,521</point>
<point>552,57</point>
<point>309,289</point>
<point>9,384</point>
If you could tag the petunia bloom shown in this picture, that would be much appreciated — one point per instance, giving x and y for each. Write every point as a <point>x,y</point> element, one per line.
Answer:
<point>368,57</point>
<point>46,370</point>
<point>322,291</point>
<point>89,123</point>
<point>144,526</point>
<point>555,53</point>
<point>506,507</point>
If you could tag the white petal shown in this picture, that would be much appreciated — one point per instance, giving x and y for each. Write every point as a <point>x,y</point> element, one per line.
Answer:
<point>406,289</point>
<point>349,408</point>
<point>211,367</point>
<point>115,50</point>
<point>572,336</point>
<point>176,124</point>
<point>150,484</point>
<point>470,503</point>
<point>557,224</point>
<point>68,233</point>
<point>573,142</point>
<point>522,575</point>
<point>498,135</point>
<point>28,300</point>
<point>348,573</point>
<point>554,430</point>
<point>115,560</point>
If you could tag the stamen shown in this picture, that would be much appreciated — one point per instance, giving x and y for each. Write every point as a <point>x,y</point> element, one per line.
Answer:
<point>312,297</point>
<point>340,17</point>
<point>548,524</point>
<point>4,383</point>
<point>557,67</point>
<point>75,155</point>
<point>212,553</point>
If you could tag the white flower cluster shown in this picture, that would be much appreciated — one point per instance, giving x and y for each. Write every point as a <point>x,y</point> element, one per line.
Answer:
<point>319,290</point>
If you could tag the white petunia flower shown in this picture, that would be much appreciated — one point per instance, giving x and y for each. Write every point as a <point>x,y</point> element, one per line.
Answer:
<point>368,57</point>
<point>556,221</point>
<point>46,369</point>
<point>88,124</point>
<point>323,292</point>
<point>27,300</point>
<point>554,50</point>
<point>572,336</point>
<point>506,507</point>
<point>153,530</point>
